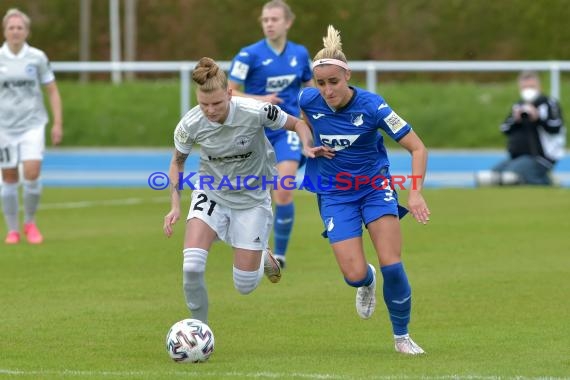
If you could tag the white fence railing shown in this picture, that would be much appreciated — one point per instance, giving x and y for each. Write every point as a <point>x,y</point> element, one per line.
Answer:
<point>371,68</point>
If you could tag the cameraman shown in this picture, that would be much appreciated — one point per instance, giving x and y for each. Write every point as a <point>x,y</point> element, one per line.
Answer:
<point>536,137</point>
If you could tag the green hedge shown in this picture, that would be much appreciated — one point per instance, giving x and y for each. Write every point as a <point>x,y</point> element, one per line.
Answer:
<point>144,113</point>
<point>371,29</point>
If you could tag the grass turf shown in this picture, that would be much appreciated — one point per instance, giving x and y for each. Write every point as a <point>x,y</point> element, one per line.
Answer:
<point>489,277</point>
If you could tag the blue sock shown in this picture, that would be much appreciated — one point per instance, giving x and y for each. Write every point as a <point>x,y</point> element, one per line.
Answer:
<point>367,280</point>
<point>283,224</point>
<point>398,297</point>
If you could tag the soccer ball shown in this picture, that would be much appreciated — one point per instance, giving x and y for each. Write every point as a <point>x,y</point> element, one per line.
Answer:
<point>190,341</point>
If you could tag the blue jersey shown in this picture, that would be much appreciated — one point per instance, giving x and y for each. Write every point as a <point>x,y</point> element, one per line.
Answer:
<point>353,132</point>
<point>262,71</point>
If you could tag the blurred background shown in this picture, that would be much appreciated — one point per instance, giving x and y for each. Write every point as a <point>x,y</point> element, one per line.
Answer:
<point>449,108</point>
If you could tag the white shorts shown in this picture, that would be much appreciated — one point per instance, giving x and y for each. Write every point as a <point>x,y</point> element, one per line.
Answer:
<point>246,229</point>
<point>21,146</point>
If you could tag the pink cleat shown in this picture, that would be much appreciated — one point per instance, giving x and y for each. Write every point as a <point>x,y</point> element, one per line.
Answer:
<point>33,234</point>
<point>13,237</point>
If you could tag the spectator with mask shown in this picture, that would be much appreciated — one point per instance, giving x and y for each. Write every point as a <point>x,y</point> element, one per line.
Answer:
<point>536,137</point>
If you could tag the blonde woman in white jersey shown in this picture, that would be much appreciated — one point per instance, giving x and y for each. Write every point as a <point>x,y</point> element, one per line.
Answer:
<point>23,117</point>
<point>230,132</point>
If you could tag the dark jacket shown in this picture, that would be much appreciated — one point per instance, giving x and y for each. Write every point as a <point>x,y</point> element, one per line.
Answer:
<point>544,138</point>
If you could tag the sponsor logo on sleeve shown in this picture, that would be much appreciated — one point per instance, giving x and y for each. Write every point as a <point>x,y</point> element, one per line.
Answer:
<point>395,122</point>
<point>240,70</point>
<point>181,136</point>
<point>272,112</point>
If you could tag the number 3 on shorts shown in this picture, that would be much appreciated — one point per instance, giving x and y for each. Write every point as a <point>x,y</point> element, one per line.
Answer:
<point>202,198</point>
<point>8,156</point>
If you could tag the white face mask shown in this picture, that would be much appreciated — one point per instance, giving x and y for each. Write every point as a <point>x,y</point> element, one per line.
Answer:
<point>529,94</point>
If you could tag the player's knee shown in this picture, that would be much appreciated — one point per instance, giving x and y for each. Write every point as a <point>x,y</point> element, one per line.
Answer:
<point>195,260</point>
<point>356,277</point>
<point>245,282</point>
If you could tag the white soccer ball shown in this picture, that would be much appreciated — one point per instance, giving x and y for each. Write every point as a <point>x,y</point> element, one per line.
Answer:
<point>190,341</point>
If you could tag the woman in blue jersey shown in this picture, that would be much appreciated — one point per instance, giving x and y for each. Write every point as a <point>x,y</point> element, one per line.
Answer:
<point>274,70</point>
<point>23,117</point>
<point>345,121</point>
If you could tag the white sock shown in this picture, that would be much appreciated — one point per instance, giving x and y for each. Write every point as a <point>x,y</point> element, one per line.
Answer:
<point>10,206</point>
<point>32,193</point>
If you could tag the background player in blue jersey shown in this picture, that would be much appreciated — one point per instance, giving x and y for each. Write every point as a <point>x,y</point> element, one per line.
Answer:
<point>274,70</point>
<point>345,122</point>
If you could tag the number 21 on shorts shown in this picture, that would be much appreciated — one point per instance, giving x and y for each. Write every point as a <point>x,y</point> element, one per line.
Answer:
<point>8,156</point>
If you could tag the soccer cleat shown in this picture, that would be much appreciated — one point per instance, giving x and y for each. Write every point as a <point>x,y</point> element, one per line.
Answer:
<point>33,234</point>
<point>366,298</point>
<point>406,345</point>
<point>13,237</point>
<point>271,266</point>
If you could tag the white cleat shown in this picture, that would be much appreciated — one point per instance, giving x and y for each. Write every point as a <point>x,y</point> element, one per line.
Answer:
<point>271,266</point>
<point>366,298</point>
<point>406,345</point>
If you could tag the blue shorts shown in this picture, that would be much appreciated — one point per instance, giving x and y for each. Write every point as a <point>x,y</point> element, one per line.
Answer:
<point>343,219</point>
<point>287,146</point>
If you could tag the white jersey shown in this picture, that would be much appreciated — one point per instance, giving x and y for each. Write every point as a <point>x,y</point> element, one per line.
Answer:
<point>232,151</point>
<point>21,98</point>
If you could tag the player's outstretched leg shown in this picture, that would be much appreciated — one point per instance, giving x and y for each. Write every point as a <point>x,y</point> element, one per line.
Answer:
<point>398,298</point>
<point>271,266</point>
<point>194,285</point>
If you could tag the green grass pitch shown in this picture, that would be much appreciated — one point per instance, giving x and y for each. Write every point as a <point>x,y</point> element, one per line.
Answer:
<point>490,277</point>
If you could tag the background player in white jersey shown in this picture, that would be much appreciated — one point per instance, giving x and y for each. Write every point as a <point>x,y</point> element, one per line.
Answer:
<point>23,70</point>
<point>233,145</point>
<point>347,120</point>
<point>274,70</point>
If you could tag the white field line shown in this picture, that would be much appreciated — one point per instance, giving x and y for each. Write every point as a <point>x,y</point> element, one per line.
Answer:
<point>250,375</point>
<point>110,202</point>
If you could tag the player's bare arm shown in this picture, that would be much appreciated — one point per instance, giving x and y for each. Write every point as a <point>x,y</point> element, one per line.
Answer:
<point>418,206</point>
<point>176,167</point>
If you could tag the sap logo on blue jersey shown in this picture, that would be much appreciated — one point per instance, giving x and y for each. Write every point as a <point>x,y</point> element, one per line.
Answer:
<point>338,142</point>
<point>279,83</point>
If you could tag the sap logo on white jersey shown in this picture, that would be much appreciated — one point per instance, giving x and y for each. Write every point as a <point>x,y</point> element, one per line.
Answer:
<point>318,116</point>
<point>279,83</point>
<point>357,120</point>
<point>293,61</point>
<point>267,61</point>
<point>338,142</point>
